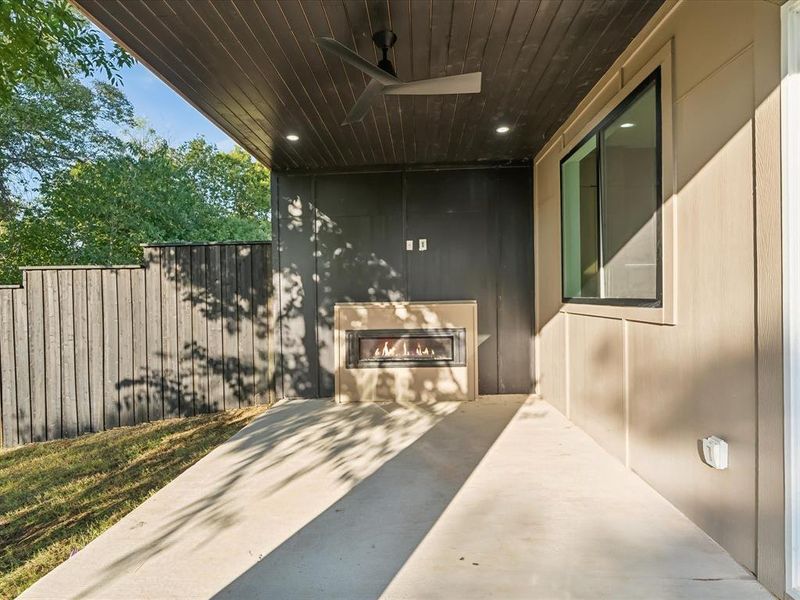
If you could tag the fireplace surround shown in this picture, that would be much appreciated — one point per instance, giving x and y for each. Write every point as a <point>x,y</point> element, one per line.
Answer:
<point>389,351</point>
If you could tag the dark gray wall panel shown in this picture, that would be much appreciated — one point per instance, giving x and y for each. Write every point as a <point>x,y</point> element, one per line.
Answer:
<point>478,226</point>
<point>359,250</point>
<point>514,202</point>
<point>453,211</point>
<point>298,360</point>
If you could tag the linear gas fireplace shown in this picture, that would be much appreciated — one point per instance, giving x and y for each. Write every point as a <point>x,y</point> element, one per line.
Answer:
<point>411,351</point>
<point>372,348</point>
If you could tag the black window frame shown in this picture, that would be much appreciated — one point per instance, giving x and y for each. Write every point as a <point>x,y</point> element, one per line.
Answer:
<point>612,116</point>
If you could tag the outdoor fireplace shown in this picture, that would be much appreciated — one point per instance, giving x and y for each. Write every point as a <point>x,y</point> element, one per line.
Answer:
<point>374,348</point>
<point>405,351</point>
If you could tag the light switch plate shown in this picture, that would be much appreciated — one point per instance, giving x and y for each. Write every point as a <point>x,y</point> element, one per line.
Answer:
<point>423,244</point>
<point>409,244</point>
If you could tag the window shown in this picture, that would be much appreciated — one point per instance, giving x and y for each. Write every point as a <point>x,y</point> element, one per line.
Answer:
<point>611,206</point>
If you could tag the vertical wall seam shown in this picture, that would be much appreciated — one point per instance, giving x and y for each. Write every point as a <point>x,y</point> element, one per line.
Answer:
<point>498,299</point>
<point>404,225</point>
<point>626,390</point>
<point>756,332</point>
<point>276,235</point>
<point>531,250</point>
<point>536,321</point>
<point>567,391</point>
<point>315,231</point>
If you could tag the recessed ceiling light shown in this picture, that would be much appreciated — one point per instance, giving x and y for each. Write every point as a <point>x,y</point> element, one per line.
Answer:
<point>627,125</point>
<point>292,137</point>
<point>503,129</point>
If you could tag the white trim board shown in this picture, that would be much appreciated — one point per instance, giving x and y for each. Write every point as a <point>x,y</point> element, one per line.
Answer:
<point>790,181</point>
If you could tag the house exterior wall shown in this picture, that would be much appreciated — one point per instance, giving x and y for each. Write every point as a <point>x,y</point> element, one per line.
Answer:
<point>647,389</point>
<point>341,238</point>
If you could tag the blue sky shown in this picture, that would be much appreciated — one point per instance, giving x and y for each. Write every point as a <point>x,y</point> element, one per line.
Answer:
<point>165,111</point>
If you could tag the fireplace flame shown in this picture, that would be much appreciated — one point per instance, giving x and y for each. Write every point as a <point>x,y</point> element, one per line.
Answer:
<point>392,351</point>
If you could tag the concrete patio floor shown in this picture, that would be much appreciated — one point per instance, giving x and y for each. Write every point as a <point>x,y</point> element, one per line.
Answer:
<point>500,498</point>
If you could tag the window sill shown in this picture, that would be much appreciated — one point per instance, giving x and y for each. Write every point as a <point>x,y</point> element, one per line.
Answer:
<point>644,314</point>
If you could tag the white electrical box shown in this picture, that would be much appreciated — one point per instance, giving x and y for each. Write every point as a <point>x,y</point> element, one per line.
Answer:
<point>423,244</point>
<point>715,452</point>
<point>409,244</point>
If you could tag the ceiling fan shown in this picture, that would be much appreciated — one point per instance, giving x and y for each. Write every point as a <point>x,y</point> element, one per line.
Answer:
<point>384,78</point>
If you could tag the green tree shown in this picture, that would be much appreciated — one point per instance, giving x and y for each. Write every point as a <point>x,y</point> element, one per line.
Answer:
<point>44,42</point>
<point>99,211</point>
<point>72,191</point>
<point>47,128</point>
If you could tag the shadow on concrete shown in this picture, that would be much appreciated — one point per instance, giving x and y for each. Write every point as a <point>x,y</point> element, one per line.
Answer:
<point>357,487</point>
<point>356,547</point>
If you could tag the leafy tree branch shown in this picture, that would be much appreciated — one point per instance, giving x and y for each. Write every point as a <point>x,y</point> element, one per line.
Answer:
<point>44,42</point>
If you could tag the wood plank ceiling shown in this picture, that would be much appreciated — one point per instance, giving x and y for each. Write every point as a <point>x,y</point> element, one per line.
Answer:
<point>253,68</point>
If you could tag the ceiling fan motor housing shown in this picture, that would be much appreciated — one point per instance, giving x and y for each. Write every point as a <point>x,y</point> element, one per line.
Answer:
<point>385,40</point>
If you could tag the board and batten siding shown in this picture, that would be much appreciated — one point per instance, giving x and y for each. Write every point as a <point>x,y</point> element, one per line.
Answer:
<point>83,349</point>
<point>645,390</point>
<point>342,241</point>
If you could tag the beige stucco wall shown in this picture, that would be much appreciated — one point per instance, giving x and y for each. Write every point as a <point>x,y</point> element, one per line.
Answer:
<point>647,391</point>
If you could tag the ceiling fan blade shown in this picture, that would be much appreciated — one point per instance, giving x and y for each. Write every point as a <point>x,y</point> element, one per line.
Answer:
<point>468,83</point>
<point>355,60</point>
<point>361,107</point>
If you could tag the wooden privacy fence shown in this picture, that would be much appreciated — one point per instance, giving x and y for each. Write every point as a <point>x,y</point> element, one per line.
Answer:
<point>84,349</point>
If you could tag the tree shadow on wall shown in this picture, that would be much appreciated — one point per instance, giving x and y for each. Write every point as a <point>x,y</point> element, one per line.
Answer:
<point>331,266</point>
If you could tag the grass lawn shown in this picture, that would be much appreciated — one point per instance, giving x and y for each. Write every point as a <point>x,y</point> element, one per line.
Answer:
<point>55,497</point>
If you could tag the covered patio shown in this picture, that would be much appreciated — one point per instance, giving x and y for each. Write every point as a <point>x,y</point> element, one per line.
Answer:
<point>607,200</point>
<point>500,497</point>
